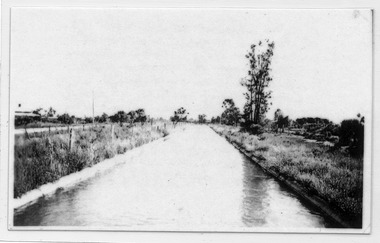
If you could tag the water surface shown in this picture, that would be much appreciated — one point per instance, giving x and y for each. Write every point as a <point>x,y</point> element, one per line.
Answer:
<point>193,180</point>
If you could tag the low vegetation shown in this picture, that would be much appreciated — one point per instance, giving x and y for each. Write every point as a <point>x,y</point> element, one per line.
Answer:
<point>334,176</point>
<point>48,157</point>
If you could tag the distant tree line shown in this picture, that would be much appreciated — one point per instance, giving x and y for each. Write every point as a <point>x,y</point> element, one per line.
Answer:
<point>131,117</point>
<point>317,120</point>
<point>215,120</point>
<point>41,115</point>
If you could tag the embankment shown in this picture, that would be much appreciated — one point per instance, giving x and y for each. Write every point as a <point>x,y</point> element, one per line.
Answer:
<point>329,181</point>
<point>76,177</point>
<point>42,160</point>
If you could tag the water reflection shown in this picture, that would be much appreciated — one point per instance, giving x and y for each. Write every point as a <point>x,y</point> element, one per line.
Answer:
<point>43,212</point>
<point>255,196</point>
<point>267,203</point>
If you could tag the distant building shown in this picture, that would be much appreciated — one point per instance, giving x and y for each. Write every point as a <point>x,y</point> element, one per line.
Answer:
<point>50,119</point>
<point>26,114</point>
<point>25,117</point>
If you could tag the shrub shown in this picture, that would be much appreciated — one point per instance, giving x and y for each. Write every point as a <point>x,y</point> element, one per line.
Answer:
<point>251,128</point>
<point>255,129</point>
<point>74,161</point>
<point>165,132</point>
<point>245,124</point>
<point>352,135</point>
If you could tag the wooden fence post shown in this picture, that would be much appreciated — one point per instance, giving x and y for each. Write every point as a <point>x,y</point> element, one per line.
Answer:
<point>112,132</point>
<point>71,139</point>
<point>26,133</point>
<point>50,150</point>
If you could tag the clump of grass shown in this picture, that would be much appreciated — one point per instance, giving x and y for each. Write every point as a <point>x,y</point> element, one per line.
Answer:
<point>332,175</point>
<point>47,158</point>
<point>165,132</point>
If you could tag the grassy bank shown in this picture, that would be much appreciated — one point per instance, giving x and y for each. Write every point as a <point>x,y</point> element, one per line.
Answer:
<point>47,158</point>
<point>335,177</point>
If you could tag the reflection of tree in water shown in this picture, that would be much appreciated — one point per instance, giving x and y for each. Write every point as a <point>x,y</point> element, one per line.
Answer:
<point>255,206</point>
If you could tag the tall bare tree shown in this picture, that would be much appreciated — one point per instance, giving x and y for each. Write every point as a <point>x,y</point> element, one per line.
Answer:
<point>257,81</point>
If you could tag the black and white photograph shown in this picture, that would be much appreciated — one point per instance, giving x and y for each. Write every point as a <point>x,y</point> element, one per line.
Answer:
<point>190,119</point>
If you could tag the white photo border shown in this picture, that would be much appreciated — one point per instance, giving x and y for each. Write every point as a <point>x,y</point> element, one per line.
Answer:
<point>88,234</point>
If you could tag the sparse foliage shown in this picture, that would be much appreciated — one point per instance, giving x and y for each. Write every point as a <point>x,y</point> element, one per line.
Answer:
<point>257,81</point>
<point>180,115</point>
<point>50,112</point>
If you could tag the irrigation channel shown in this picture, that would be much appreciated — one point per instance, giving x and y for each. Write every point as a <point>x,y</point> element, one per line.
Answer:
<point>191,180</point>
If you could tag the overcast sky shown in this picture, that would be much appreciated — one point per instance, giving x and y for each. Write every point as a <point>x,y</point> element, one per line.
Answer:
<point>162,59</point>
